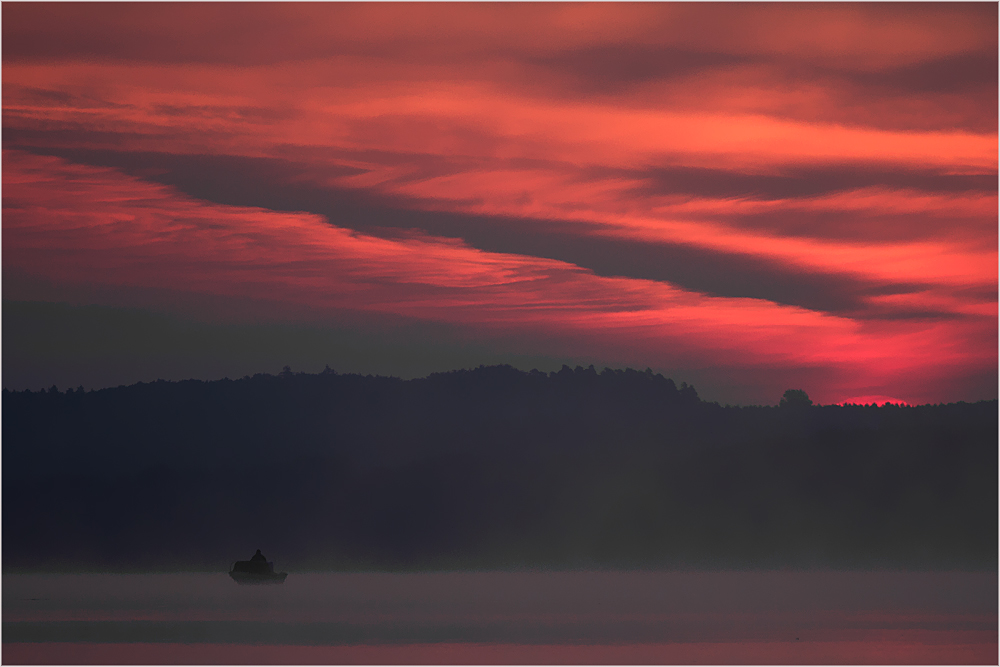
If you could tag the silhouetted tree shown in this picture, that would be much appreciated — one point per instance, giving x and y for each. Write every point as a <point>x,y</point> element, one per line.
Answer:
<point>795,398</point>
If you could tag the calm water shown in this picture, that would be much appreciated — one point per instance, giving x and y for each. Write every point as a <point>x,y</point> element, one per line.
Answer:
<point>573,617</point>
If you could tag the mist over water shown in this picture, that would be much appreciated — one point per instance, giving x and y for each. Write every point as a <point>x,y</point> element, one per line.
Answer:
<point>489,469</point>
<point>604,608</point>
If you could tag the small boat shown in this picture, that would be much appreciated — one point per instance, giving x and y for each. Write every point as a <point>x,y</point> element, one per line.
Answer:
<point>257,570</point>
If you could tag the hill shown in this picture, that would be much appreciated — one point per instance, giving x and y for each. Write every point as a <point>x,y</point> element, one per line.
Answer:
<point>488,468</point>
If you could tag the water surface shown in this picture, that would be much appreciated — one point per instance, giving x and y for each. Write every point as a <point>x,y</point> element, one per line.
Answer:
<point>505,617</point>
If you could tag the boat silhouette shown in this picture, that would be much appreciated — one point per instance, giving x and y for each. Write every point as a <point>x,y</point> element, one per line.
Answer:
<point>257,570</point>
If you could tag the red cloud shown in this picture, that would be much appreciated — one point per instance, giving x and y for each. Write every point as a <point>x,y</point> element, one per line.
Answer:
<point>70,224</point>
<point>851,145</point>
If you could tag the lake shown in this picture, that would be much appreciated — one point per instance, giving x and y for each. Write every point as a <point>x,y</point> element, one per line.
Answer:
<point>504,618</point>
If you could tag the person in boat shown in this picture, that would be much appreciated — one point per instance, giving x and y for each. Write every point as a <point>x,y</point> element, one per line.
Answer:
<point>256,565</point>
<point>257,570</point>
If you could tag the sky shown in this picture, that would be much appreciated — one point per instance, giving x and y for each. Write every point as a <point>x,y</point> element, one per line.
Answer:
<point>745,197</point>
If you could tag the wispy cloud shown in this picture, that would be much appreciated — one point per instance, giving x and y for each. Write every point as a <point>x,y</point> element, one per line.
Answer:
<point>747,186</point>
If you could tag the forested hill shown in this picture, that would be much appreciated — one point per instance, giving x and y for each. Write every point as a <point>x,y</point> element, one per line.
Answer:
<point>487,468</point>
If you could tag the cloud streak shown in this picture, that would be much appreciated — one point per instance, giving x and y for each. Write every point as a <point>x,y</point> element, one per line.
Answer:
<point>820,179</point>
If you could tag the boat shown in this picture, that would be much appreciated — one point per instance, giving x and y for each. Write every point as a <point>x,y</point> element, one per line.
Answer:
<point>257,570</point>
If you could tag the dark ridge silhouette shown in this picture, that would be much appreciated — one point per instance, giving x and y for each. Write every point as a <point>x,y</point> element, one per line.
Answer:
<point>489,468</point>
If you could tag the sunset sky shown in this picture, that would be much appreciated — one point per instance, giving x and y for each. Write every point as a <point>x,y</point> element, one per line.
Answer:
<point>746,197</point>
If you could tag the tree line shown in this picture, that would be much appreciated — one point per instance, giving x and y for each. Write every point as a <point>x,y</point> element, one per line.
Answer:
<point>489,468</point>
